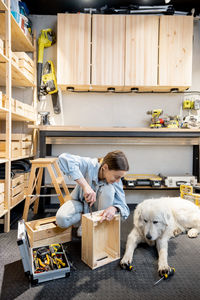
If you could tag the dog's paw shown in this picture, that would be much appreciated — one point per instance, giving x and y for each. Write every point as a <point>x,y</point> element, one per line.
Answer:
<point>192,233</point>
<point>125,263</point>
<point>163,269</point>
<point>177,231</point>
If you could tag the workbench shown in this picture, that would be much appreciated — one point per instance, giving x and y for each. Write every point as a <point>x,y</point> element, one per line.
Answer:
<point>78,135</point>
<point>49,135</point>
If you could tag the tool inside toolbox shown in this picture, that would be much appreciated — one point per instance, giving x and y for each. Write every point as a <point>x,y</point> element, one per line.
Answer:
<point>49,258</point>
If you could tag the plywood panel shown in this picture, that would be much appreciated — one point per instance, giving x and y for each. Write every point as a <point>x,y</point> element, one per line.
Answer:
<point>175,55</point>
<point>73,49</point>
<point>141,50</point>
<point>108,50</point>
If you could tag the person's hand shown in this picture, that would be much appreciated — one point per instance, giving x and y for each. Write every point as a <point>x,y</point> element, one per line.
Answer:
<point>89,195</point>
<point>108,214</point>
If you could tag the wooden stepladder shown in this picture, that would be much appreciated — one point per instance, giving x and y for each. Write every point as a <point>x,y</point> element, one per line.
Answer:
<point>35,183</point>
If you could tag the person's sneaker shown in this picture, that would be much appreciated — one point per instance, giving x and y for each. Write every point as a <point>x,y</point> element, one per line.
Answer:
<point>79,231</point>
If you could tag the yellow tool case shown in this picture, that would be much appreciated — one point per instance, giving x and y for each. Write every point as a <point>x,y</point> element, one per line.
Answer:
<point>41,263</point>
<point>133,180</point>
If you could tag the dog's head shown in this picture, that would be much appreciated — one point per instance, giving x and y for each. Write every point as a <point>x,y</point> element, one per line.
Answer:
<point>152,220</point>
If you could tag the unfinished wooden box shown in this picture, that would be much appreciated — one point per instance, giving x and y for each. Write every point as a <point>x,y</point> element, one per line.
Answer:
<point>100,241</point>
<point>16,189</point>
<point>21,145</point>
<point>45,232</point>
<point>25,64</point>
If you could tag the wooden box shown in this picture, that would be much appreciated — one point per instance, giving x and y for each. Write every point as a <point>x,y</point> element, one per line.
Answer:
<point>15,149</point>
<point>1,46</point>
<point>16,190</point>
<point>22,145</point>
<point>14,58</point>
<point>45,232</point>
<point>100,241</point>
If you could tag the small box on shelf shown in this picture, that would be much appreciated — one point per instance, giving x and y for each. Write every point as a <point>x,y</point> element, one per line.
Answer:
<point>16,189</point>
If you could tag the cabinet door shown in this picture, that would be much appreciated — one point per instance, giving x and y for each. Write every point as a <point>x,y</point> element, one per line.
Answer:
<point>108,49</point>
<point>175,50</point>
<point>141,50</point>
<point>73,49</point>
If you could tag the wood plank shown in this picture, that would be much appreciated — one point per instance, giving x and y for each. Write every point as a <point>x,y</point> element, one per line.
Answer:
<point>73,49</point>
<point>175,54</point>
<point>108,50</point>
<point>114,129</point>
<point>141,50</point>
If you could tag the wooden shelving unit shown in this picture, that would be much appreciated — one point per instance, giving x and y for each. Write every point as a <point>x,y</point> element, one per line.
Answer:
<point>12,76</point>
<point>19,41</point>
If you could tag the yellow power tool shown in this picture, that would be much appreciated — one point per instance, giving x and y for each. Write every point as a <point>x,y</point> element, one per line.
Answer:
<point>46,39</point>
<point>49,85</point>
<point>156,122</point>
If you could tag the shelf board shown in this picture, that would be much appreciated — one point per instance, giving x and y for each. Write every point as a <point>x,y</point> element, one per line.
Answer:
<point>19,41</point>
<point>136,188</point>
<point>18,203</point>
<point>3,110</point>
<point>3,160</point>
<point>22,157</point>
<point>3,213</point>
<point>18,77</point>
<point>14,116</point>
<point>3,6</point>
<point>3,58</point>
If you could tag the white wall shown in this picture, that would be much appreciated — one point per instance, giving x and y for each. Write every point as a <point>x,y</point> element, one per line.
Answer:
<point>103,109</point>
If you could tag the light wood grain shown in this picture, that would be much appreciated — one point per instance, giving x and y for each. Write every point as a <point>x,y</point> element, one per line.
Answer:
<point>73,49</point>
<point>175,50</point>
<point>108,50</point>
<point>141,50</point>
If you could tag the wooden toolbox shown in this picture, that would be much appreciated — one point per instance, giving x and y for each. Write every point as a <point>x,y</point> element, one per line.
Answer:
<point>45,232</point>
<point>100,241</point>
<point>16,189</point>
<point>21,145</point>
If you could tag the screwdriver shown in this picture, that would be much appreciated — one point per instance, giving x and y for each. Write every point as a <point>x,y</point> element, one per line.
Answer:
<point>166,276</point>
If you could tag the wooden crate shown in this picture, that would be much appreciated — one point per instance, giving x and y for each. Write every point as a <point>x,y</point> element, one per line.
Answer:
<point>22,145</point>
<point>1,187</point>
<point>45,232</point>
<point>1,46</point>
<point>15,149</point>
<point>100,241</point>
<point>14,58</point>
<point>16,188</point>
<point>2,207</point>
<point>22,56</point>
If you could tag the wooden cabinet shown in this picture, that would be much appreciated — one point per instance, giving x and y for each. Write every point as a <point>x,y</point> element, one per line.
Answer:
<point>73,50</point>
<point>108,50</point>
<point>150,53</point>
<point>141,50</point>
<point>175,51</point>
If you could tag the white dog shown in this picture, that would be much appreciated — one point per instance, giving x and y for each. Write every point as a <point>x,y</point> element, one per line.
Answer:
<point>156,221</point>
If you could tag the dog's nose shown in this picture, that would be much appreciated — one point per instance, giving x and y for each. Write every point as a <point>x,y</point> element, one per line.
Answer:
<point>148,236</point>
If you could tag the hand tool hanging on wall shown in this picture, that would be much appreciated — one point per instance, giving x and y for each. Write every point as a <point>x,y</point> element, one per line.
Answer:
<point>46,78</point>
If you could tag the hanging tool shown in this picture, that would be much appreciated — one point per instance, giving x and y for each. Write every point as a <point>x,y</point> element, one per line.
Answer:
<point>166,276</point>
<point>49,85</point>
<point>46,39</point>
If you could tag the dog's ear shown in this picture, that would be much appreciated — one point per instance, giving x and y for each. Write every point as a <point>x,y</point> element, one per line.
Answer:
<point>166,217</point>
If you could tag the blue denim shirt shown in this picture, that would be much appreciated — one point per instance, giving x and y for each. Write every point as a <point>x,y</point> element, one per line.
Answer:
<point>78,167</point>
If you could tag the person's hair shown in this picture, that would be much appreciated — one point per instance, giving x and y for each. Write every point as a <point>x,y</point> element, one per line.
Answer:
<point>116,160</point>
